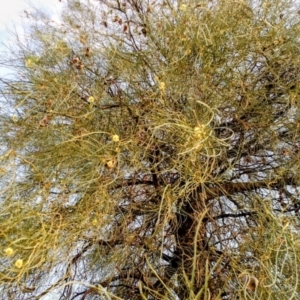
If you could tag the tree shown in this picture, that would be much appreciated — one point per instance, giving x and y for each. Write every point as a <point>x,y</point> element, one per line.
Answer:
<point>150,150</point>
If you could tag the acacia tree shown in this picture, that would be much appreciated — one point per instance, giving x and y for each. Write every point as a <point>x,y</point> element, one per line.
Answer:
<point>150,150</point>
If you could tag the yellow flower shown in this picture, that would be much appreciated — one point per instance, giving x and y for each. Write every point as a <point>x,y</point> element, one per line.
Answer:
<point>115,138</point>
<point>91,99</point>
<point>198,130</point>
<point>162,86</point>
<point>29,63</point>
<point>183,7</point>
<point>9,251</point>
<point>94,222</point>
<point>110,164</point>
<point>19,263</point>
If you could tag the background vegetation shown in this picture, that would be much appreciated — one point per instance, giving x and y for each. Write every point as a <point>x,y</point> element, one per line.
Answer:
<point>150,150</point>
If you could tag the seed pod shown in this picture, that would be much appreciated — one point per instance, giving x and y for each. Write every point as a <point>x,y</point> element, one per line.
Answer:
<point>87,51</point>
<point>75,60</point>
<point>80,66</point>
<point>45,121</point>
<point>144,31</point>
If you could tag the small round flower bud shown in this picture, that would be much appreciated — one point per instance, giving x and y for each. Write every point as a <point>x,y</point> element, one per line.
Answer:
<point>19,263</point>
<point>9,251</point>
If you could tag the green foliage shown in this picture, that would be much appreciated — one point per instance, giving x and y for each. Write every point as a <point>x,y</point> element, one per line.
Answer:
<point>150,150</point>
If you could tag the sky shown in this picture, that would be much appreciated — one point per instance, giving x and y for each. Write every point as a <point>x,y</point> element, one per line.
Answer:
<point>11,14</point>
<point>12,11</point>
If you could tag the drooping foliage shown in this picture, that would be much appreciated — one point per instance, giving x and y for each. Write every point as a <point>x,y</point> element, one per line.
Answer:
<point>150,150</point>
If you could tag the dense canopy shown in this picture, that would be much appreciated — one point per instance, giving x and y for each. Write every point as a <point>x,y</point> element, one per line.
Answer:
<point>151,150</point>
